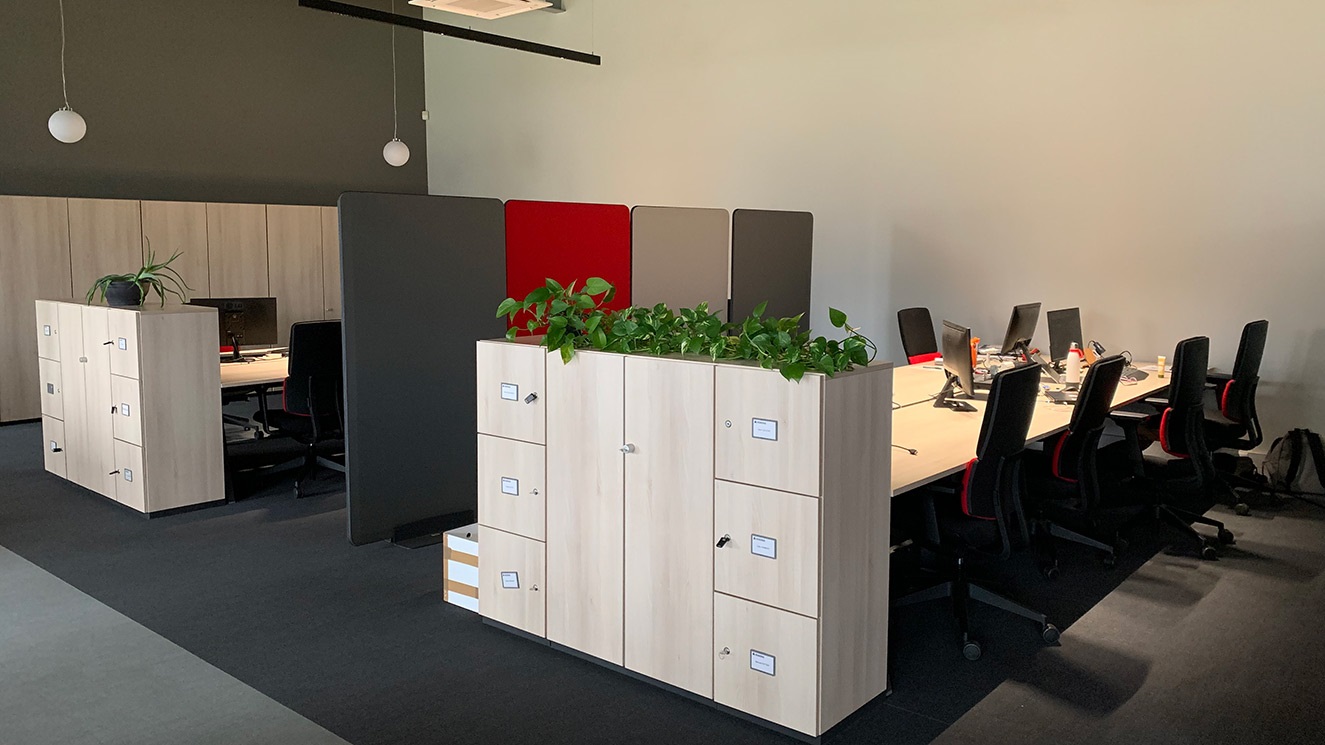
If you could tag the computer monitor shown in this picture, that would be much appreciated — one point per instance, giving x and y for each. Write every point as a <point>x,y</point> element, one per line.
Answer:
<point>956,346</point>
<point>1021,327</point>
<point>1064,331</point>
<point>247,321</point>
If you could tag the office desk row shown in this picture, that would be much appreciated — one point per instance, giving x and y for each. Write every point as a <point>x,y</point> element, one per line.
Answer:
<point>945,440</point>
<point>258,373</point>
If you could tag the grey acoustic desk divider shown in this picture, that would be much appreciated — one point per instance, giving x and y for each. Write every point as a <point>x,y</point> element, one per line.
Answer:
<point>680,256</point>
<point>422,277</point>
<point>772,254</point>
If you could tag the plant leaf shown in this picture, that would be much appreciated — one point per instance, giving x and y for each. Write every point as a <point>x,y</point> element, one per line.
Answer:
<point>510,333</point>
<point>507,306</point>
<point>567,352</point>
<point>597,286</point>
<point>837,317</point>
<point>758,312</point>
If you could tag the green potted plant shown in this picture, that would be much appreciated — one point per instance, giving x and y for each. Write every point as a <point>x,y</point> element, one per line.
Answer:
<point>131,290</point>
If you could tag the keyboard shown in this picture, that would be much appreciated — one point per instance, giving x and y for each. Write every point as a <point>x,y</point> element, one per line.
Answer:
<point>1135,373</point>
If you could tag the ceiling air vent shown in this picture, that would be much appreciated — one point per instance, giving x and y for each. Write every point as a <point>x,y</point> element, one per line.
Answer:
<point>488,9</point>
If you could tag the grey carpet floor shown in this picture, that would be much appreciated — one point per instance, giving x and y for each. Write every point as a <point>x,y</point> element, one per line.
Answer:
<point>74,671</point>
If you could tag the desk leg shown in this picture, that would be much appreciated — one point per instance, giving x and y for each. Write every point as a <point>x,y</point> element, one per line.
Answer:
<point>262,407</point>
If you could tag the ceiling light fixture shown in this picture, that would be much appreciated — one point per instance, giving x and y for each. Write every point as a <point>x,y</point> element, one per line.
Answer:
<point>395,152</point>
<point>65,124</point>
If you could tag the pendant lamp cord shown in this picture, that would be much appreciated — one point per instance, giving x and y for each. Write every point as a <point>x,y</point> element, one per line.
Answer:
<point>63,84</point>
<point>395,114</point>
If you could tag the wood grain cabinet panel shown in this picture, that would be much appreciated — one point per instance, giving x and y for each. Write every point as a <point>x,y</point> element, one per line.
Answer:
<point>105,237</point>
<point>511,486</point>
<point>511,580</point>
<point>770,547</point>
<point>766,662</point>
<point>52,388</point>
<point>767,430</point>
<point>237,250</point>
<point>34,264</point>
<point>585,509</point>
<point>52,436</point>
<point>331,291</point>
<point>511,380</point>
<point>294,264</point>
<point>171,227</point>
<point>669,516</point>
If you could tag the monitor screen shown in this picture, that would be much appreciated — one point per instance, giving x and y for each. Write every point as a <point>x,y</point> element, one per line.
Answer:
<point>249,320</point>
<point>957,356</point>
<point>1021,327</point>
<point>1064,330</point>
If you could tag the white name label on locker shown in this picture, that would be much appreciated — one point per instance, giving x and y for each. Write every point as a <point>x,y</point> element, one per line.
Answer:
<point>510,392</point>
<point>124,409</point>
<point>763,663</point>
<point>46,330</point>
<point>55,446</point>
<point>765,429</point>
<point>764,546</point>
<point>122,343</point>
<point>128,474</point>
<point>510,486</point>
<point>510,580</point>
<point>50,388</point>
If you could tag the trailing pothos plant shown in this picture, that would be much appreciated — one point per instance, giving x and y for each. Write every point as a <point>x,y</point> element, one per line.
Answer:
<point>578,319</point>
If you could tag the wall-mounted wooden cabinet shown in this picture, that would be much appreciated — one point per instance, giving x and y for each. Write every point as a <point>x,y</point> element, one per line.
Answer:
<point>34,263</point>
<point>707,525</point>
<point>131,403</point>
<point>55,247</point>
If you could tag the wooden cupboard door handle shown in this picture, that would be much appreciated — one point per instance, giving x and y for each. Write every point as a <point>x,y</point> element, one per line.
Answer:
<point>628,448</point>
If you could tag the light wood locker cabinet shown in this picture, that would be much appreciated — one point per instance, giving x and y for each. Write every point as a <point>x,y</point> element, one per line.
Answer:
<point>295,265</point>
<point>698,509</point>
<point>179,227</point>
<point>34,263</point>
<point>511,378</point>
<point>511,486</point>
<point>141,404</point>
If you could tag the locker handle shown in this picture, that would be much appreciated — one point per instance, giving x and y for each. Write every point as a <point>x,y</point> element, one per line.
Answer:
<point>725,651</point>
<point>724,540</point>
<point>628,448</point>
<point>107,343</point>
<point>112,473</point>
<point>57,450</point>
<point>114,409</point>
<point>531,398</point>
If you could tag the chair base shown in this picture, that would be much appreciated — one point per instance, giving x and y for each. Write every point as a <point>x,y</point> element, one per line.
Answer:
<point>962,591</point>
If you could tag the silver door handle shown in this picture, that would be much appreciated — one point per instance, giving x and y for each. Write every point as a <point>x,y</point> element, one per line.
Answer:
<point>627,448</point>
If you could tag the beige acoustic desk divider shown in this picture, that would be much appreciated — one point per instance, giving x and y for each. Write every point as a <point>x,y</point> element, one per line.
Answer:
<point>708,525</point>
<point>131,402</point>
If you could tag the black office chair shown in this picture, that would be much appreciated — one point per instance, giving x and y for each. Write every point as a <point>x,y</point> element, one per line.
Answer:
<point>985,522</point>
<point>313,397</point>
<point>1180,430</point>
<point>1231,422</point>
<point>918,340</point>
<point>1064,479</point>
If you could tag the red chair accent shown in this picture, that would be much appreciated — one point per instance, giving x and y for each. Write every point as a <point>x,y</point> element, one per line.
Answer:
<point>921,359</point>
<point>966,485</point>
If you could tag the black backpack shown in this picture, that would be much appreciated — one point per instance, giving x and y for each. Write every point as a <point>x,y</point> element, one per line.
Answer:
<point>1296,463</point>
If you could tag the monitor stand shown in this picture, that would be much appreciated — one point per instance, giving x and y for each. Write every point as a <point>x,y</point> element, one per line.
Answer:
<point>946,399</point>
<point>1023,349</point>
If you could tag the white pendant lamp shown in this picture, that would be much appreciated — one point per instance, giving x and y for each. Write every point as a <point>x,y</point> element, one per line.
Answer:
<point>395,152</point>
<point>66,125</point>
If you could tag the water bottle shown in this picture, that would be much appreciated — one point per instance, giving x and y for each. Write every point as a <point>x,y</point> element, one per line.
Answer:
<point>1073,364</point>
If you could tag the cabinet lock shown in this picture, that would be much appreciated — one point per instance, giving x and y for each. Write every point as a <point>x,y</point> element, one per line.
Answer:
<point>531,398</point>
<point>724,540</point>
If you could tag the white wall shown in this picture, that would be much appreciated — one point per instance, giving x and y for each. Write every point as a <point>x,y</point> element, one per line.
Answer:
<point>1160,163</point>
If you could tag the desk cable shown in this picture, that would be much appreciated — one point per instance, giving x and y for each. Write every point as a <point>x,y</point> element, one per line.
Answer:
<point>912,451</point>
<point>925,400</point>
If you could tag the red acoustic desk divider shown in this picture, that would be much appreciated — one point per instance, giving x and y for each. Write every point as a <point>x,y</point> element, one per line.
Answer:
<point>568,242</point>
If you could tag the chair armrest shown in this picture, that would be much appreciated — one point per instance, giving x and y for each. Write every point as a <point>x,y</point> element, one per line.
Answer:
<point>1158,401</point>
<point>1122,416</point>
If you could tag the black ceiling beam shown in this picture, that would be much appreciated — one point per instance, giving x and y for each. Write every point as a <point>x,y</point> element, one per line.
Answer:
<point>457,32</point>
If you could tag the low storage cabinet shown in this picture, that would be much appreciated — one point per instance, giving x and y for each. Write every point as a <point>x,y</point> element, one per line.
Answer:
<point>708,525</point>
<point>131,402</point>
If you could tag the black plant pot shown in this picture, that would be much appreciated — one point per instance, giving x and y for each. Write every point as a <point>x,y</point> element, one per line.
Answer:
<point>124,295</point>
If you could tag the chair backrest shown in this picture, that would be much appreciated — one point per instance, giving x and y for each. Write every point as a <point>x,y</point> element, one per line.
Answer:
<point>1072,455</point>
<point>1182,426</point>
<point>918,340</point>
<point>1237,399</point>
<point>991,479</point>
<point>314,384</point>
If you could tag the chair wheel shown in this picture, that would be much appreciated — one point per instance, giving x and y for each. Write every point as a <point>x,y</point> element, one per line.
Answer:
<point>1241,508</point>
<point>1050,571</point>
<point>1110,561</point>
<point>1209,553</point>
<point>1226,537</point>
<point>1050,634</point>
<point>971,650</point>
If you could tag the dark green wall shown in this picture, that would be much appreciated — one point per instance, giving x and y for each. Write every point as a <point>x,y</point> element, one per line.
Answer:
<point>219,100</point>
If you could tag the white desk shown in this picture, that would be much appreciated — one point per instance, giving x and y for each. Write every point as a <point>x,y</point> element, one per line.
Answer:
<point>946,439</point>
<point>254,374</point>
